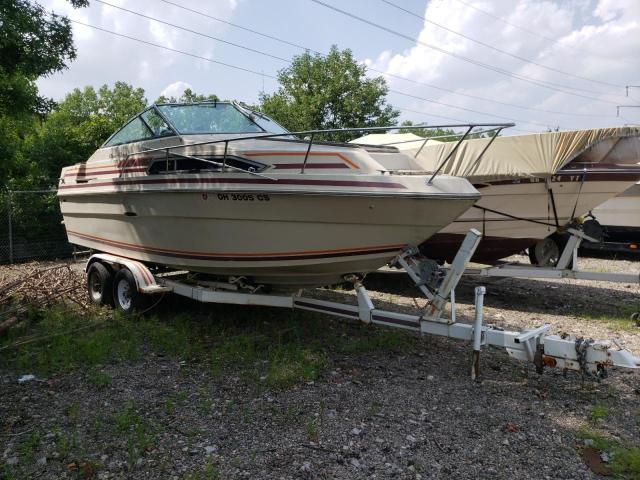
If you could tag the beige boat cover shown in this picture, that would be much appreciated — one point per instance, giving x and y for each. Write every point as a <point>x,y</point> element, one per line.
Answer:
<point>535,155</point>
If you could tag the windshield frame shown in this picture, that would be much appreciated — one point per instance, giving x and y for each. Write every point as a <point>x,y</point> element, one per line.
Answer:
<point>144,122</point>
<point>214,104</point>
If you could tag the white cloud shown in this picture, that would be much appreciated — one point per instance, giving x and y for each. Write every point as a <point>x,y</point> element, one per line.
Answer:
<point>601,44</point>
<point>103,58</point>
<point>176,89</point>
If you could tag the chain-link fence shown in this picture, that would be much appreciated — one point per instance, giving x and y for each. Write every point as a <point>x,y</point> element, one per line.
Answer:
<point>31,227</point>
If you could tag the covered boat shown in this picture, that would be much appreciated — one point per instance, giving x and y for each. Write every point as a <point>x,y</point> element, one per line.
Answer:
<point>531,185</point>
<point>219,189</point>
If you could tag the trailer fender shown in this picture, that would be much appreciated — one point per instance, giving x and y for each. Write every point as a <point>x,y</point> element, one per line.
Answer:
<point>145,281</point>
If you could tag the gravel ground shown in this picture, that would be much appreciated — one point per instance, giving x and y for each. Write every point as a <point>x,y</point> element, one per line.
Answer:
<point>410,414</point>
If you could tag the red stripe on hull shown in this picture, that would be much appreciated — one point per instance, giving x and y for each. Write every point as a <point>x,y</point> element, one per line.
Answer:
<point>311,254</point>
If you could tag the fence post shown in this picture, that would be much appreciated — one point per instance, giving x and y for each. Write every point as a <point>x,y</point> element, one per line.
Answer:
<point>9,220</point>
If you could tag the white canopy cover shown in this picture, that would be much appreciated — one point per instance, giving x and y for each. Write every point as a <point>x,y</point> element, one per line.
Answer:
<point>518,156</point>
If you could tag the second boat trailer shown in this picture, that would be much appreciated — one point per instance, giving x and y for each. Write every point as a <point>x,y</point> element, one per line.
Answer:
<point>127,280</point>
<point>565,267</point>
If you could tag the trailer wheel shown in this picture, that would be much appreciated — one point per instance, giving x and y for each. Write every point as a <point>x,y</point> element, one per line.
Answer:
<point>126,297</point>
<point>100,284</point>
<point>546,252</point>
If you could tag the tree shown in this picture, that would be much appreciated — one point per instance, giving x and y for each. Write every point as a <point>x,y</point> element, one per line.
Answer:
<point>77,127</point>
<point>188,96</point>
<point>33,43</point>
<point>324,92</point>
<point>443,134</point>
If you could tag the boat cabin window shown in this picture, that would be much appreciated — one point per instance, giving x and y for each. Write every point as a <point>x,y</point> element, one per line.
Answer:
<point>157,124</point>
<point>175,164</point>
<point>208,118</point>
<point>133,131</point>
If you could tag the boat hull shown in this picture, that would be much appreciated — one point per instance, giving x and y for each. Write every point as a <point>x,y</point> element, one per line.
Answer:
<point>273,238</point>
<point>621,211</point>
<point>526,213</point>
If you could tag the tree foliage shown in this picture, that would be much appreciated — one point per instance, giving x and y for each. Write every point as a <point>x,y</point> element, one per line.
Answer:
<point>33,43</point>
<point>79,125</point>
<point>188,96</point>
<point>443,134</point>
<point>325,92</point>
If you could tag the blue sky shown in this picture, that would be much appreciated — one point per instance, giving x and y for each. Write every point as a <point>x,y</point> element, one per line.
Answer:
<point>583,48</point>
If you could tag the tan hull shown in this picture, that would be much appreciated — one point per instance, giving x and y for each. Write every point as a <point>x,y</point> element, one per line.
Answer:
<point>295,239</point>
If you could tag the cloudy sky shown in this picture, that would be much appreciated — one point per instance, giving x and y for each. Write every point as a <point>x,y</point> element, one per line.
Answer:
<point>538,63</point>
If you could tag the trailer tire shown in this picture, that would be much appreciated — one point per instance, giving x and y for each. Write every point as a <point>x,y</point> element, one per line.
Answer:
<point>126,297</point>
<point>100,284</point>
<point>546,252</point>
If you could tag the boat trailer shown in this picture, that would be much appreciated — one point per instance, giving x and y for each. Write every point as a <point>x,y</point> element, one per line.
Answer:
<point>588,357</point>
<point>566,266</point>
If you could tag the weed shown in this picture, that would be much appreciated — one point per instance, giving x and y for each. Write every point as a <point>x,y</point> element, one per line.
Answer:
<point>27,449</point>
<point>72,411</point>
<point>625,459</point>
<point>205,405</point>
<point>175,399</point>
<point>373,341</point>
<point>139,433</point>
<point>100,380</point>
<point>312,429</point>
<point>64,443</point>
<point>126,418</point>
<point>292,364</point>
<point>598,412</point>
<point>210,471</point>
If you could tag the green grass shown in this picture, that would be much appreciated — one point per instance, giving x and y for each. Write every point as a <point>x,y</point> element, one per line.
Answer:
<point>625,460</point>
<point>72,411</point>
<point>619,319</point>
<point>28,447</point>
<point>272,348</point>
<point>175,400</point>
<point>100,380</point>
<point>209,471</point>
<point>598,412</point>
<point>140,434</point>
<point>313,429</point>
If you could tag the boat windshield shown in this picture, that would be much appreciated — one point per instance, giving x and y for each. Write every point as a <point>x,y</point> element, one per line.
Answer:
<point>207,118</point>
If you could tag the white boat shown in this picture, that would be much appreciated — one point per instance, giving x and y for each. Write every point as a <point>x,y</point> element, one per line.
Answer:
<point>531,185</point>
<point>621,211</point>
<point>218,189</point>
<point>620,217</point>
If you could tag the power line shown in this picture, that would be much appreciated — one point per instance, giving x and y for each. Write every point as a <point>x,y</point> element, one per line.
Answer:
<point>504,52</point>
<point>477,97</point>
<point>237,45</point>
<point>381,72</point>
<point>511,129</point>
<point>466,109</point>
<point>246,29</point>
<point>248,70</point>
<point>524,78</point>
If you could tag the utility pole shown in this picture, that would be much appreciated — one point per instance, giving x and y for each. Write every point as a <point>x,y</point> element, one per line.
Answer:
<point>627,87</point>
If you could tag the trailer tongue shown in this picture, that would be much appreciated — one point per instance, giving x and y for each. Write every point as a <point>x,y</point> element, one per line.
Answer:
<point>589,357</point>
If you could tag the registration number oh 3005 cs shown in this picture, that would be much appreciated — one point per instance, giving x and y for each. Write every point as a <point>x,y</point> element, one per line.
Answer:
<point>240,197</point>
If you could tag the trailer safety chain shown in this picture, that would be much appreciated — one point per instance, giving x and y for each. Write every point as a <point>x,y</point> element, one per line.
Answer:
<point>582,346</point>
